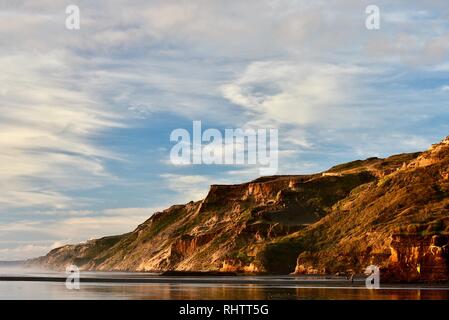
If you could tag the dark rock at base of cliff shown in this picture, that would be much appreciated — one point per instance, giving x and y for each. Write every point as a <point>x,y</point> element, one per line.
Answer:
<point>173,273</point>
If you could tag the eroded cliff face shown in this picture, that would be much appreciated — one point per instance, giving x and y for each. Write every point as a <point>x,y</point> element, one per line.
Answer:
<point>390,212</point>
<point>418,258</point>
<point>228,230</point>
<point>396,222</point>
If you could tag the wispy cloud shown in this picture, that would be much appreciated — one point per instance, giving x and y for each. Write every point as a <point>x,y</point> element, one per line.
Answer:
<point>46,132</point>
<point>25,251</point>
<point>187,187</point>
<point>291,92</point>
<point>22,239</point>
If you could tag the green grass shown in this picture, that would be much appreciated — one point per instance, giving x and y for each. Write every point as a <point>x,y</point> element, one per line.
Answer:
<point>280,256</point>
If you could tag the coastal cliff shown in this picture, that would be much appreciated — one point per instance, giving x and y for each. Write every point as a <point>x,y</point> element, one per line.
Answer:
<point>390,212</point>
<point>415,258</point>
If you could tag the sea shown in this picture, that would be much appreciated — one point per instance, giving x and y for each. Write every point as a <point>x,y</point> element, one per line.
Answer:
<point>17,283</point>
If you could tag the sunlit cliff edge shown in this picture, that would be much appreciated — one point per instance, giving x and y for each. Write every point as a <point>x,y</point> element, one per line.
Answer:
<point>391,212</point>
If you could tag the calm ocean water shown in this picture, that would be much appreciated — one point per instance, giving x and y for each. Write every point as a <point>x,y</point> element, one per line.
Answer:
<point>245,287</point>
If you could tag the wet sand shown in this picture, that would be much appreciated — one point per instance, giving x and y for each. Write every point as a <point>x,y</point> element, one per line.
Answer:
<point>43,284</point>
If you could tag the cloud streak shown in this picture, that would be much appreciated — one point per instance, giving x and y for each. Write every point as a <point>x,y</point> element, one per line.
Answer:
<point>46,133</point>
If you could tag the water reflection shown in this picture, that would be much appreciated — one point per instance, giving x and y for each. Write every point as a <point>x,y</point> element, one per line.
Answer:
<point>56,290</point>
<point>223,288</point>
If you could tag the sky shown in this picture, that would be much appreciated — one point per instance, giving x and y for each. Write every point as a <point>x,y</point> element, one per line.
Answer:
<point>86,115</point>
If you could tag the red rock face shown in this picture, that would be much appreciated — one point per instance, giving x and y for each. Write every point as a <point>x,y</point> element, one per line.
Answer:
<point>188,244</point>
<point>259,192</point>
<point>419,258</point>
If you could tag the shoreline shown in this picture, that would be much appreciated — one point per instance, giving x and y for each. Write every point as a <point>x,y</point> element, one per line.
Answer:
<point>264,280</point>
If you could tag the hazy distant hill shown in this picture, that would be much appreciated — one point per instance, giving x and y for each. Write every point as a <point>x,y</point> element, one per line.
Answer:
<point>11,263</point>
<point>390,212</point>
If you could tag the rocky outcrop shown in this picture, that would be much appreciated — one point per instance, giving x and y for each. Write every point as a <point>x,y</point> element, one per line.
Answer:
<point>438,152</point>
<point>188,244</point>
<point>418,258</point>
<point>236,265</point>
